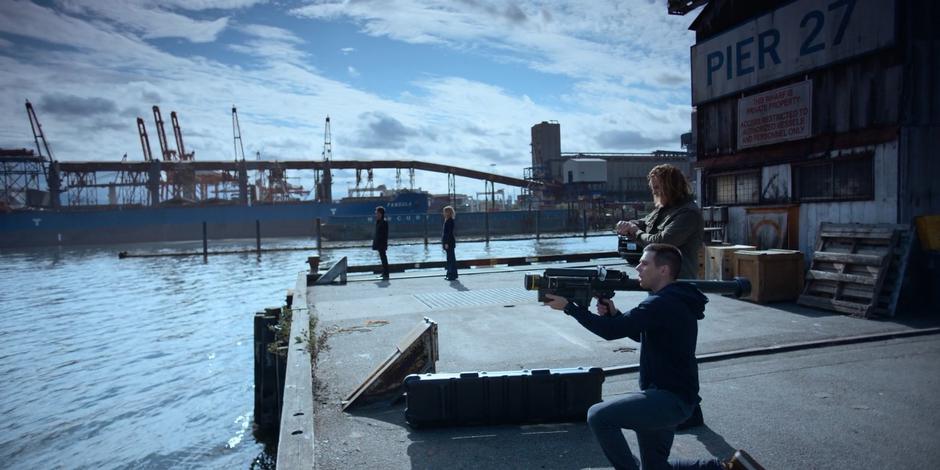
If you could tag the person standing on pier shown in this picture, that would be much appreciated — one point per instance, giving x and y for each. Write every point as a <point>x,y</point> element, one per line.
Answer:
<point>380,239</point>
<point>676,220</point>
<point>666,326</point>
<point>449,242</point>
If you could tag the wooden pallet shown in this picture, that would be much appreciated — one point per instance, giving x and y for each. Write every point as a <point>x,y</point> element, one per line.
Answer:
<point>898,272</point>
<point>850,266</point>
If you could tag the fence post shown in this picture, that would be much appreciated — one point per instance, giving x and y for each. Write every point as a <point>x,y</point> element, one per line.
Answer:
<point>319,238</point>
<point>258,236</point>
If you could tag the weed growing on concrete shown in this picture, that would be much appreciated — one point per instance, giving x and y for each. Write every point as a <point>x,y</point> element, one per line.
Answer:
<point>281,333</point>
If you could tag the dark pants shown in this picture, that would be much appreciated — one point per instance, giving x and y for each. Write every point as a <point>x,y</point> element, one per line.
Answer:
<point>451,264</point>
<point>384,262</point>
<point>653,414</point>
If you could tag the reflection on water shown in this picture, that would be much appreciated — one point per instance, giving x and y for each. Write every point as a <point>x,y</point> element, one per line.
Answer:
<point>147,362</point>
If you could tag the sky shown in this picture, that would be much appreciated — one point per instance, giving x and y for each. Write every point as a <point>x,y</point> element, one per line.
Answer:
<point>456,82</point>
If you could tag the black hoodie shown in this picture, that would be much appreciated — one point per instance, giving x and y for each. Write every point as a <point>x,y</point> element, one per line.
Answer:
<point>666,326</point>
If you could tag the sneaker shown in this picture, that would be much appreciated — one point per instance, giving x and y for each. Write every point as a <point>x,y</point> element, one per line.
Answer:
<point>742,461</point>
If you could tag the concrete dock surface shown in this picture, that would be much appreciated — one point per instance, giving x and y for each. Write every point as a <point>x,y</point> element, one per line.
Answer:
<point>862,405</point>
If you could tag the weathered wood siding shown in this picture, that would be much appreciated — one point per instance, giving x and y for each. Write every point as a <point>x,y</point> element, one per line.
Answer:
<point>846,97</point>
<point>920,134</point>
<point>883,209</point>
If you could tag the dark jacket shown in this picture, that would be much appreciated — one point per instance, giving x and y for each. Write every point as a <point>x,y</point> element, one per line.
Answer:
<point>680,225</point>
<point>666,325</point>
<point>447,235</point>
<point>380,239</point>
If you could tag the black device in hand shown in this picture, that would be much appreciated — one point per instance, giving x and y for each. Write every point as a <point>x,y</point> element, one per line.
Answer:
<point>581,285</point>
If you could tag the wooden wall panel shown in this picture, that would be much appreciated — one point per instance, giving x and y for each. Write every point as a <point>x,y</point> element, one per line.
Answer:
<point>882,209</point>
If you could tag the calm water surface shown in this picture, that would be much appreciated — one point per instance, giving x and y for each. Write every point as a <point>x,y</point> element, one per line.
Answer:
<point>148,362</point>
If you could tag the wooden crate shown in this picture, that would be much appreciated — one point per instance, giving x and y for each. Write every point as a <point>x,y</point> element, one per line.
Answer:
<point>775,275</point>
<point>928,229</point>
<point>720,261</point>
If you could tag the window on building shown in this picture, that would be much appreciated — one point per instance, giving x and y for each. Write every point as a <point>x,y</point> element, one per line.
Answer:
<point>733,188</point>
<point>835,180</point>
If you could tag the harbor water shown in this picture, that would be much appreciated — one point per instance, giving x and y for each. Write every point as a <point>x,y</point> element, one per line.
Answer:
<point>148,362</point>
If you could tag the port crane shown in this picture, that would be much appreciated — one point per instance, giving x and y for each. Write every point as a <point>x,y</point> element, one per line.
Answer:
<point>324,188</point>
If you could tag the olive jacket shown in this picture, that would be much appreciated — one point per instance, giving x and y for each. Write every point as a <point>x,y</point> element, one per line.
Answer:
<point>680,225</point>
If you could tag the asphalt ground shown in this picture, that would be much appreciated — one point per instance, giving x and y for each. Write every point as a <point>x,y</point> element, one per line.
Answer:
<point>863,405</point>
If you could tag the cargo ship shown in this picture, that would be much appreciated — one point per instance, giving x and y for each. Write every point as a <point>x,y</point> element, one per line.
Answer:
<point>112,225</point>
<point>172,197</point>
<point>31,220</point>
<point>407,213</point>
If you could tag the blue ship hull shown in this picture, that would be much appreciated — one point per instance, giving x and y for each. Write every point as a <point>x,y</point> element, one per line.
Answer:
<point>109,225</point>
<point>346,220</point>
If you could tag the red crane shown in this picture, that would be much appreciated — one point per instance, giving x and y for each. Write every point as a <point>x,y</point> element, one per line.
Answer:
<point>144,141</point>
<point>161,135</point>
<point>179,139</point>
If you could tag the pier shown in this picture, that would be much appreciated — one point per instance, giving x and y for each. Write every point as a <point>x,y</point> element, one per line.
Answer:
<point>796,387</point>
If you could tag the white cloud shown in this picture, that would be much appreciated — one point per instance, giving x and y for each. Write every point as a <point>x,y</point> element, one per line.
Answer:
<point>585,39</point>
<point>270,51</point>
<point>104,74</point>
<point>148,20</point>
<point>199,5</point>
<point>347,50</point>
<point>271,32</point>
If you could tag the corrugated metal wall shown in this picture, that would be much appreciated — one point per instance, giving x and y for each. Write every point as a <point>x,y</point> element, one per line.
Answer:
<point>882,209</point>
<point>628,174</point>
<point>847,97</point>
<point>920,134</point>
<point>890,96</point>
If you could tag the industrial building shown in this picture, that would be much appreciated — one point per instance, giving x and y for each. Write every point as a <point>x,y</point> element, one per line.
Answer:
<point>814,111</point>
<point>613,177</point>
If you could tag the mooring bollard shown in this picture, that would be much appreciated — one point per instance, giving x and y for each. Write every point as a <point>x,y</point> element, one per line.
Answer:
<point>314,274</point>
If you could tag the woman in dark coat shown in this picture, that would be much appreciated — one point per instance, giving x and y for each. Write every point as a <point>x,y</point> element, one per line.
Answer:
<point>380,239</point>
<point>448,242</point>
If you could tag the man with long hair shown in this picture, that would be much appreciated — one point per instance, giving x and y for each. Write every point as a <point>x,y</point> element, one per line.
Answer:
<point>676,220</point>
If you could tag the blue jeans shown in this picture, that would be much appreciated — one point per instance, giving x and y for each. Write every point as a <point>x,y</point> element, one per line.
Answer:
<point>653,414</point>
<point>451,264</point>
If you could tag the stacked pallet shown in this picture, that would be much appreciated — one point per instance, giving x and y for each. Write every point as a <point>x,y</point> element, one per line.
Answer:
<point>857,269</point>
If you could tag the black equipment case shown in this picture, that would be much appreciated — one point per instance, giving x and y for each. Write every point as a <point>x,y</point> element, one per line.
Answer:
<point>513,397</point>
